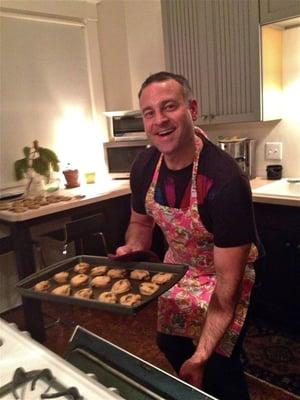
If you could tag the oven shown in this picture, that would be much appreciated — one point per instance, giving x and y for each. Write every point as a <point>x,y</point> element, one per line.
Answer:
<point>119,156</point>
<point>125,374</point>
<point>92,368</point>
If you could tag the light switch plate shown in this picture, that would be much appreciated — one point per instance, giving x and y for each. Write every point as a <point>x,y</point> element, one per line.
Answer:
<point>273,151</point>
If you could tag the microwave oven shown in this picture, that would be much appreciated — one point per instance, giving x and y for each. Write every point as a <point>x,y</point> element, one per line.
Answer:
<point>126,125</point>
<point>119,156</point>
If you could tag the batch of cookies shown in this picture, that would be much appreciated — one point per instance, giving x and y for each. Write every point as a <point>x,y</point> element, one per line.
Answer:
<point>105,284</point>
<point>33,203</point>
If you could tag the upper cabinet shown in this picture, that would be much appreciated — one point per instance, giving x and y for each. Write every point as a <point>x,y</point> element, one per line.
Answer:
<point>217,45</point>
<point>276,10</point>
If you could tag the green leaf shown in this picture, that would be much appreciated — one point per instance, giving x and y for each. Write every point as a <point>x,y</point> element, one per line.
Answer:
<point>40,166</point>
<point>21,167</point>
<point>55,166</point>
<point>48,155</point>
<point>26,151</point>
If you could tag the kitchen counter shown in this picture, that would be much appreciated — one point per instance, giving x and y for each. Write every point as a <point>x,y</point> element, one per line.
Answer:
<point>280,192</point>
<point>81,196</point>
<point>263,191</point>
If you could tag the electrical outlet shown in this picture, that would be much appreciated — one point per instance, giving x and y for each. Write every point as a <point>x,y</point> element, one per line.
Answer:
<point>273,151</point>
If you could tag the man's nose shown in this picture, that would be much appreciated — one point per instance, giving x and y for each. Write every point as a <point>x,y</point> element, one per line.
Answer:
<point>160,117</point>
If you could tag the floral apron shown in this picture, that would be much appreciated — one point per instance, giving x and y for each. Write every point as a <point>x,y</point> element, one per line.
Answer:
<point>182,309</point>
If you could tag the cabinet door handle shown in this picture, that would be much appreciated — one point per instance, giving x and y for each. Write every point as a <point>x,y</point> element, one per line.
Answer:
<point>211,116</point>
<point>204,117</point>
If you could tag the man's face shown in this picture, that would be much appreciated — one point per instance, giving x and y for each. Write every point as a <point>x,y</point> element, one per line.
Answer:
<point>168,117</point>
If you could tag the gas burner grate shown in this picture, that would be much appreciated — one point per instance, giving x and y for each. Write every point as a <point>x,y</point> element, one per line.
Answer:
<point>43,380</point>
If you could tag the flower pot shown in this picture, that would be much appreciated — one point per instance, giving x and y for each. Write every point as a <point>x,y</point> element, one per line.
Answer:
<point>71,176</point>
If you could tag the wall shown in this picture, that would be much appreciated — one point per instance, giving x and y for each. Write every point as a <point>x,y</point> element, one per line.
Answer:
<point>114,55</point>
<point>145,42</point>
<point>51,83</point>
<point>131,42</point>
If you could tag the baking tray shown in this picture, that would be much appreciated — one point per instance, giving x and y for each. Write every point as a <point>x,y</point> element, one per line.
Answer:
<point>26,286</point>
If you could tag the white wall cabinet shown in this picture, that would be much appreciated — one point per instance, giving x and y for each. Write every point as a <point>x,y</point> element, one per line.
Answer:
<point>276,10</point>
<point>216,44</point>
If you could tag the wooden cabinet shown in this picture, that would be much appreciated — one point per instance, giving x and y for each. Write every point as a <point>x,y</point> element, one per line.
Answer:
<point>276,10</point>
<point>277,297</point>
<point>216,44</point>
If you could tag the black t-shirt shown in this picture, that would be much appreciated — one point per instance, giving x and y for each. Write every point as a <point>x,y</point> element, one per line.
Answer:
<point>223,191</point>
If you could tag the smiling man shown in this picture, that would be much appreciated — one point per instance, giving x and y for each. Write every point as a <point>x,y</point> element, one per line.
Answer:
<point>201,200</point>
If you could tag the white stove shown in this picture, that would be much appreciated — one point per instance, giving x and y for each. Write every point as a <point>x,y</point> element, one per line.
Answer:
<point>92,369</point>
<point>19,351</point>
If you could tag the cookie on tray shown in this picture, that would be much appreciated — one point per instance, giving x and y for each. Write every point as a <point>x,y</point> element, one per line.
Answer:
<point>161,277</point>
<point>100,281</point>
<point>81,267</point>
<point>117,272</point>
<point>121,286</point>
<point>85,293</point>
<point>130,299</point>
<point>140,274</point>
<point>108,297</point>
<point>99,270</point>
<point>148,288</point>
<point>61,277</point>
<point>63,290</point>
<point>79,280</point>
<point>42,286</point>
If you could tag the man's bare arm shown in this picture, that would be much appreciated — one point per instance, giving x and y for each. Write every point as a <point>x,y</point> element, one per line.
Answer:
<point>230,265</point>
<point>138,235</point>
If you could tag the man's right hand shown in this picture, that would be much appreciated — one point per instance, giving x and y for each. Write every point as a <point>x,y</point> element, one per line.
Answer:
<point>124,250</point>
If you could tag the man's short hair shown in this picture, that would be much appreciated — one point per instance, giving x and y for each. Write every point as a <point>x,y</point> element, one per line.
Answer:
<point>165,76</point>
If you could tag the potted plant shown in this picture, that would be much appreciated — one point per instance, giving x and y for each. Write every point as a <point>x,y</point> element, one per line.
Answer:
<point>36,166</point>
<point>71,175</point>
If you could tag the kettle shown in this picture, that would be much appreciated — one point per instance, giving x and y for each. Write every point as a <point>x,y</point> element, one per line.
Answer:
<point>242,150</point>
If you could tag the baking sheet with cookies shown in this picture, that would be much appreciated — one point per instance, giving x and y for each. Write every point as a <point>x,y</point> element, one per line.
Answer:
<point>102,283</point>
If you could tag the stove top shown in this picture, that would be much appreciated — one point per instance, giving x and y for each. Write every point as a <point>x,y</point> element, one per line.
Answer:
<point>29,371</point>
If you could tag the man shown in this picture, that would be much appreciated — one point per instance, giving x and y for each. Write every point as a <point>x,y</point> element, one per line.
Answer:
<point>201,200</point>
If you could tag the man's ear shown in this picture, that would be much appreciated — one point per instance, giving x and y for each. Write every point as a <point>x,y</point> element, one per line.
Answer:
<point>193,106</point>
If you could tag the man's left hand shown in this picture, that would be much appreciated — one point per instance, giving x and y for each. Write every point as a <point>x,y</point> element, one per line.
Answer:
<point>192,372</point>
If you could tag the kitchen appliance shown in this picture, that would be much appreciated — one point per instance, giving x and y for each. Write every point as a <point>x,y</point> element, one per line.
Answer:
<point>119,156</point>
<point>126,125</point>
<point>29,371</point>
<point>129,376</point>
<point>242,150</point>
<point>92,368</point>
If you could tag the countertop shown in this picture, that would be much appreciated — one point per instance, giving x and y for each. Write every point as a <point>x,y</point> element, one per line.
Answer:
<point>81,196</point>
<point>263,191</point>
<point>280,192</point>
